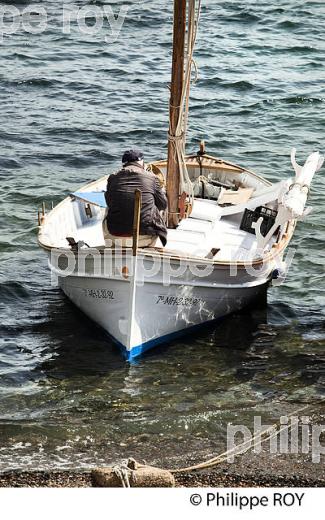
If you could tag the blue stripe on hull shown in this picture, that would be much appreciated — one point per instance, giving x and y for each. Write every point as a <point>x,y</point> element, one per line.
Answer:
<point>135,352</point>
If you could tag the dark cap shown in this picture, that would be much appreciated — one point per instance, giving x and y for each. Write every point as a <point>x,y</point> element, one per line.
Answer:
<point>132,156</point>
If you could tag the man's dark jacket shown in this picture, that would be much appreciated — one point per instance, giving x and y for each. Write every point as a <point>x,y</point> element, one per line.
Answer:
<point>120,202</point>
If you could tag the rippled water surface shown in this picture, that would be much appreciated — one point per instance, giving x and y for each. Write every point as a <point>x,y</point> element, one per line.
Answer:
<point>70,104</point>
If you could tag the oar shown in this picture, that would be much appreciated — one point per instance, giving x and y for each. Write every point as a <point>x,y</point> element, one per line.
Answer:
<point>133,285</point>
<point>136,221</point>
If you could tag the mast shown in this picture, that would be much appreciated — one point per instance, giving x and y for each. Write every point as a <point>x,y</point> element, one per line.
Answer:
<point>176,89</point>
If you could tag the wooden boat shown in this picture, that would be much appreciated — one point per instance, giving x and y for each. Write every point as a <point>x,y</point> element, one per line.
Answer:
<point>221,254</point>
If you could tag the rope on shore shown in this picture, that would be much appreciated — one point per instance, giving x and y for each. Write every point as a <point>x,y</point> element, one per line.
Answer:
<point>133,474</point>
<point>273,431</point>
<point>122,473</point>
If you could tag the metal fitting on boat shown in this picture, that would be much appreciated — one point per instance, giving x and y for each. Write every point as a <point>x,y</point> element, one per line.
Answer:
<point>279,274</point>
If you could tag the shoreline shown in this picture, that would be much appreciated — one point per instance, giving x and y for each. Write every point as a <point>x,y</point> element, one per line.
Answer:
<point>83,479</point>
<point>221,477</point>
<point>251,469</point>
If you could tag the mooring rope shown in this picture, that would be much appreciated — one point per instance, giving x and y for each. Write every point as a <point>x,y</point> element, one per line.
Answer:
<point>223,457</point>
<point>122,473</point>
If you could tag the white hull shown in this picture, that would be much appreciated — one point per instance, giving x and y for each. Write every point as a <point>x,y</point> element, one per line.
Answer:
<point>158,312</point>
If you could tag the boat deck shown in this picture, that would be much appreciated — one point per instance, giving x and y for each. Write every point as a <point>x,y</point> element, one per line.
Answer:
<point>211,231</point>
<point>194,237</point>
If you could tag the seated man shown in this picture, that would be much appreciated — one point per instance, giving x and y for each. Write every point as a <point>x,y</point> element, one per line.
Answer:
<point>118,222</point>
